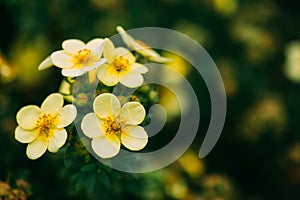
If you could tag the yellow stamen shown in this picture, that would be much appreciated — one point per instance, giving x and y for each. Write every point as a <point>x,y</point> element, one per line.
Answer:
<point>121,64</point>
<point>82,55</point>
<point>112,126</point>
<point>45,124</point>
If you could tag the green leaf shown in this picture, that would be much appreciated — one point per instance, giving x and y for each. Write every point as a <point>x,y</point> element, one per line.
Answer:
<point>89,167</point>
<point>104,179</point>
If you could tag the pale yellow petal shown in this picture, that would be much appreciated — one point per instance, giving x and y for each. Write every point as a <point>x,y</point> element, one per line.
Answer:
<point>133,113</point>
<point>37,148</point>
<point>94,43</point>
<point>109,50</point>
<point>53,103</point>
<point>28,116</point>
<point>91,125</point>
<point>134,137</point>
<point>106,147</point>
<point>132,79</point>
<point>66,116</point>
<point>107,104</point>
<point>58,140</point>
<point>128,40</point>
<point>108,75</point>
<point>73,72</point>
<point>125,53</point>
<point>94,65</point>
<point>102,69</point>
<point>62,60</point>
<point>45,64</point>
<point>160,59</point>
<point>137,67</point>
<point>25,136</point>
<point>72,46</point>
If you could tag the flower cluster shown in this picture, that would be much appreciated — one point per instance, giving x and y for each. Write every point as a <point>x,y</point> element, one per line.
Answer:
<point>113,121</point>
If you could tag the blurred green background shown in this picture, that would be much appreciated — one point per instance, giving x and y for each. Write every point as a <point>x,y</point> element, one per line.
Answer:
<point>256,47</point>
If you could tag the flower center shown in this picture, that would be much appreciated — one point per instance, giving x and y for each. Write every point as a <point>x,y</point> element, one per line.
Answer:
<point>82,55</point>
<point>45,123</point>
<point>120,64</point>
<point>112,126</point>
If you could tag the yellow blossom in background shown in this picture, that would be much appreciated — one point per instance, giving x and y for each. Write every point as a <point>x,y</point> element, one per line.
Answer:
<point>141,47</point>
<point>191,163</point>
<point>43,128</point>
<point>292,63</point>
<point>76,58</point>
<point>195,31</point>
<point>218,186</point>
<point>178,64</point>
<point>110,125</point>
<point>228,73</point>
<point>4,189</point>
<point>293,153</point>
<point>268,113</point>
<point>7,72</point>
<point>179,102</point>
<point>251,30</point>
<point>225,7</point>
<point>25,56</point>
<point>120,67</point>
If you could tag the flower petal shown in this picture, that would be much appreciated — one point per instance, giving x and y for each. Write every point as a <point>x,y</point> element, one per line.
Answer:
<point>45,64</point>
<point>109,50</point>
<point>128,40</point>
<point>37,148</point>
<point>132,79</point>
<point>102,69</point>
<point>94,65</point>
<point>91,125</point>
<point>133,44</point>
<point>67,115</point>
<point>107,104</point>
<point>97,52</point>
<point>137,67</point>
<point>53,103</point>
<point>62,60</point>
<point>133,112</point>
<point>107,75</point>
<point>73,46</point>
<point>73,72</point>
<point>126,54</point>
<point>27,116</point>
<point>58,140</point>
<point>94,43</point>
<point>160,59</point>
<point>106,147</point>
<point>134,137</point>
<point>25,136</point>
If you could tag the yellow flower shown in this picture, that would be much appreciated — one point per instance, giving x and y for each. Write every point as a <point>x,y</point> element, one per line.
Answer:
<point>110,125</point>
<point>292,63</point>
<point>76,58</point>
<point>120,67</point>
<point>141,47</point>
<point>43,128</point>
